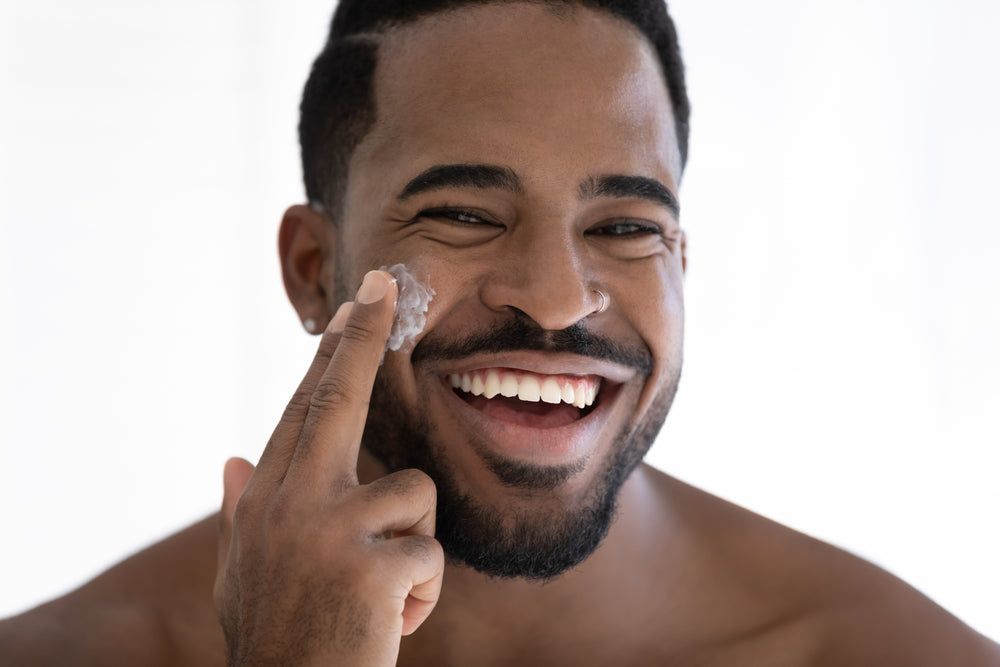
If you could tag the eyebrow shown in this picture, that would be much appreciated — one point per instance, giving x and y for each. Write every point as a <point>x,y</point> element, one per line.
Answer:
<point>478,176</point>
<point>492,177</point>
<point>639,187</point>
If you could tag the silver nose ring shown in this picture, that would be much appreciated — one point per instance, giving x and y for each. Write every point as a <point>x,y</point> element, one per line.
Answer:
<point>604,302</point>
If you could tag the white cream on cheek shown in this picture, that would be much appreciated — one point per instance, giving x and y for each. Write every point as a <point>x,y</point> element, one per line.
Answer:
<point>411,307</point>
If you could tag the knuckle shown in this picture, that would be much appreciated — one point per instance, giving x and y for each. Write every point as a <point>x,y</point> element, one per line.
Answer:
<point>298,405</point>
<point>359,329</point>
<point>332,394</point>
<point>415,476</point>
<point>407,482</point>
<point>415,480</point>
<point>437,552</point>
<point>423,486</point>
<point>327,346</point>
<point>422,548</point>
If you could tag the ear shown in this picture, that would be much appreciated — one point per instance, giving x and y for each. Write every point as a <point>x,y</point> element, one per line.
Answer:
<point>307,247</point>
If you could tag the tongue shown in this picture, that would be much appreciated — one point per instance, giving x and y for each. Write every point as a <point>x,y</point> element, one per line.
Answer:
<point>525,413</point>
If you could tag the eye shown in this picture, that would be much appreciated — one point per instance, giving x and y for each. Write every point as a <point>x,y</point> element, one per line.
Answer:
<point>458,216</point>
<point>634,238</point>
<point>628,227</point>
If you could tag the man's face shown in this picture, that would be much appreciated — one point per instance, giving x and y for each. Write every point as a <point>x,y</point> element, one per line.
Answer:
<point>520,161</point>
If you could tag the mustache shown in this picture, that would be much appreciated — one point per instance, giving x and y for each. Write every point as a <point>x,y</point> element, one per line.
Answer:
<point>518,334</point>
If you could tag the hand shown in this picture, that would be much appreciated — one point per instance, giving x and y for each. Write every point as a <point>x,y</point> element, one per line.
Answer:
<point>313,567</point>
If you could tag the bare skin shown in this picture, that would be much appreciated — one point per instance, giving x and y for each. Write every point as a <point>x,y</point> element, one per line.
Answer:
<point>319,557</point>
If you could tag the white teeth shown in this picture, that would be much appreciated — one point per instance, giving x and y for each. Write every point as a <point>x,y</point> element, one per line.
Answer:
<point>550,391</point>
<point>530,387</point>
<point>492,384</point>
<point>529,390</point>
<point>508,386</point>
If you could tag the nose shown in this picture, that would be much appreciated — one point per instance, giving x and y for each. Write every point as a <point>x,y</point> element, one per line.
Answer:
<point>546,274</point>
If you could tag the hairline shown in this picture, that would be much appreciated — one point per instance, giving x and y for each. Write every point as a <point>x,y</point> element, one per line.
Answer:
<point>334,193</point>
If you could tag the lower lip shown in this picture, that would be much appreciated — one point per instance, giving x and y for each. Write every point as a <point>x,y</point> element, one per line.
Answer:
<point>523,435</point>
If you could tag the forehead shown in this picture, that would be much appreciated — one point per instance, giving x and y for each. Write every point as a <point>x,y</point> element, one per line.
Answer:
<point>520,85</point>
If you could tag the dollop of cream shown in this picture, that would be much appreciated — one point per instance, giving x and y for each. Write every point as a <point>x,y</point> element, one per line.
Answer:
<point>411,307</point>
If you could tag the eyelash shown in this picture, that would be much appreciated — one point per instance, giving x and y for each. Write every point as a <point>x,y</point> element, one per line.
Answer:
<point>638,227</point>
<point>454,215</point>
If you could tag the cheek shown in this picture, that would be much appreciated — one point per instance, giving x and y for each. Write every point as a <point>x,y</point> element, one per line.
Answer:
<point>425,294</point>
<point>426,298</point>
<point>412,303</point>
<point>658,317</point>
<point>666,318</point>
<point>453,283</point>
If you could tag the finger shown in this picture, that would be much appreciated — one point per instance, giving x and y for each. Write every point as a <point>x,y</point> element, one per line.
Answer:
<point>420,561</point>
<point>338,408</point>
<point>235,476</point>
<point>281,446</point>
<point>421,602</point>
<point>403,503</point>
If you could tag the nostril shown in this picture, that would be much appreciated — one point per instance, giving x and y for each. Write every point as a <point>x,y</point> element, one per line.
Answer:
<point>551,297</point>
<point>553,313</point>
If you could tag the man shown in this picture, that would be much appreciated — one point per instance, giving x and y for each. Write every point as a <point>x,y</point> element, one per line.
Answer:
<point>523,161</point>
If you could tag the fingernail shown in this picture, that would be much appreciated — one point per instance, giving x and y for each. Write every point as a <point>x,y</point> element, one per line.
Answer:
<point>374,287</point>
<point>339,320</point>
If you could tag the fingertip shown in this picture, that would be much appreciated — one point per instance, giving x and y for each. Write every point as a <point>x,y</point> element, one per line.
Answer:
<point>339,320</point>
<point>236,465</point>
<point>375,286</point>
<point>235,476</point>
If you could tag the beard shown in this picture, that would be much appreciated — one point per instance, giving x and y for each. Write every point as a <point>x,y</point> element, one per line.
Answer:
<point>500,541</point>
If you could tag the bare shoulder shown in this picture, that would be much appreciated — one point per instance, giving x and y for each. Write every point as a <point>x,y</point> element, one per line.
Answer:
<point>789,594</point>
<point>155,608</point>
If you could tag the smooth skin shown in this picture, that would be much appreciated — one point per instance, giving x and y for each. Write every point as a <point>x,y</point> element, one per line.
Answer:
<point>319,557</point>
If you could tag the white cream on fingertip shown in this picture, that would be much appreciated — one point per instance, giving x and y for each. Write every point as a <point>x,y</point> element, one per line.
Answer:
<point>412,299</point>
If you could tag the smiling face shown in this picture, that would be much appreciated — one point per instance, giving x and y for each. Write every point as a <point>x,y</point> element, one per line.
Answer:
<point>521,161</point>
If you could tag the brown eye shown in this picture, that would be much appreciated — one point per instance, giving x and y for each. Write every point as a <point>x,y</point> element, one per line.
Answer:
<point>627,228</point>
<point>456,215</point>
<point>462,216</point>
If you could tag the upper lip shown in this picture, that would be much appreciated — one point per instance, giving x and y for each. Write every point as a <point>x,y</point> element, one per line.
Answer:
<point>542,363</point>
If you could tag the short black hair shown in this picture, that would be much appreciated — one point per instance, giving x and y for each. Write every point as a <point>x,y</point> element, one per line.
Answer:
<point>338,103</point>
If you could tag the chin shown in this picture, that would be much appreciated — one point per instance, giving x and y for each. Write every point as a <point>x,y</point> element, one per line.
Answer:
<point>516,512</point>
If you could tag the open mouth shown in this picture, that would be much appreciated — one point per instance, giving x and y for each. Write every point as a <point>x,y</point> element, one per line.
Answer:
<point>529,399</point>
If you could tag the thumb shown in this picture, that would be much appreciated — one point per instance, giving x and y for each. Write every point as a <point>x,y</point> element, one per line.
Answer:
<point>235,476</point>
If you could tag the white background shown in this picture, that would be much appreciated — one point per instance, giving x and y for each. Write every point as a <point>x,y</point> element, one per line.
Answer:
<point>843,312</point>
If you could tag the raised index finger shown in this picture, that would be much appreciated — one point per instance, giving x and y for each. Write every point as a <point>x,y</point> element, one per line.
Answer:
<point>277,455</point>
<point>331,433</point>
